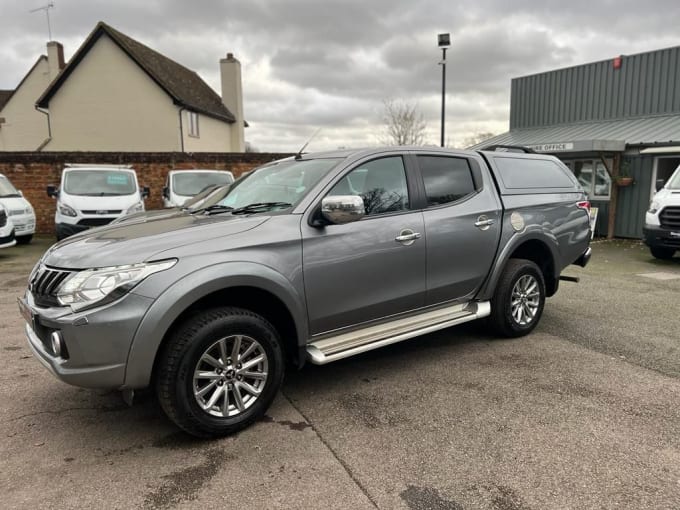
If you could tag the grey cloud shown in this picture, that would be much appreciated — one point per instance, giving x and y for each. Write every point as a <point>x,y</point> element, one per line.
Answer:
<point>330,63</point>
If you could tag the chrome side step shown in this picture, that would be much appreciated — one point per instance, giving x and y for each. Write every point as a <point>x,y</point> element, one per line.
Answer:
<point>344,345</point>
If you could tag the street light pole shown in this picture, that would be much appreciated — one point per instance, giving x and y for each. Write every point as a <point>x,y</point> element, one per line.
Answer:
<point>444,41</point>
<point>443,93</point>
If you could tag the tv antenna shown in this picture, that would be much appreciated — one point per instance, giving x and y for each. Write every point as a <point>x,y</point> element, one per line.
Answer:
<point>46,8</point>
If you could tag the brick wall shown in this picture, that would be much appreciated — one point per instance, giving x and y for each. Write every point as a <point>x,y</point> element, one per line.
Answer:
<point>31,172</point>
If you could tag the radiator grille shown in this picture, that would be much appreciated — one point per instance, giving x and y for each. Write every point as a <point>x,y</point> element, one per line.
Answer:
<point>670,217</point>
<point>45,283</point>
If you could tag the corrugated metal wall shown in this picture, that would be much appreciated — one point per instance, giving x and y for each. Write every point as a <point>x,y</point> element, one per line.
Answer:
<point>646,84</point>
<point>633,201</point>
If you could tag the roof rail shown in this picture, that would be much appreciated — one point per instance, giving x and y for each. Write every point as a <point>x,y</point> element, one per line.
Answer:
<point>510,148</point>
<point>92,165</point>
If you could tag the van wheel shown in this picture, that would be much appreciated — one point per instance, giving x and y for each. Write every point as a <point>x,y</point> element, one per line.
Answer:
<point>662,253</point>
<point>219,371</point>
<point>518,301</point>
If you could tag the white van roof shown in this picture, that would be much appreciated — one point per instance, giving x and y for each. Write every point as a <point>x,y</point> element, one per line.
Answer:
<point>98,167</point>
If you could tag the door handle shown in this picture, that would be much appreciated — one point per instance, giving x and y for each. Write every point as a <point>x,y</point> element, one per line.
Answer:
<point>407,237</point>
<point>484,222</point>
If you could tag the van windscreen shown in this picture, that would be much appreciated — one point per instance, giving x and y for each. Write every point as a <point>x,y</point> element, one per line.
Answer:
<point>99,183</point>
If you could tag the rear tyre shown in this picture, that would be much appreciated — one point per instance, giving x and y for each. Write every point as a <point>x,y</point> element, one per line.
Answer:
<point>517,303</point>
<point>24,239</point>
<point>219,371</point>
<point>662,253</point>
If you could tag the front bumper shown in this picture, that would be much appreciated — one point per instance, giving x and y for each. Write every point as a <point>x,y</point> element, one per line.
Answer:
<point>8,240</point>
<point>24,225</point>
<point>661,237</point>
<point>97,341</point>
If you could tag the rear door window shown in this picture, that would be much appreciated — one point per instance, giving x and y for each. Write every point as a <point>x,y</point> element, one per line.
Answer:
<point>447,179</point>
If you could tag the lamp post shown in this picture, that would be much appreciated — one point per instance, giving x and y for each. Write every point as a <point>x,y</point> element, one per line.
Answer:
<point>444,41</point>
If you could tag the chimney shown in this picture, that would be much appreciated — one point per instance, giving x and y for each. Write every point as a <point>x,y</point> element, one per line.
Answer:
<point>55,58</point>
<point>232,97</point>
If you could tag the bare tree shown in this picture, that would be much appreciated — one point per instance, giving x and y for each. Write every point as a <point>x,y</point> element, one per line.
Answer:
<point>476,138</point>
<point>251,148</point>
<point>404,123</point>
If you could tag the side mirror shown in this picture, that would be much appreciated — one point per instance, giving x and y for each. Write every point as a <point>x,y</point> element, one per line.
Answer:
<point>659,184</point>
<point>166,192</point>
<point>21,193</point>
<point>52,191</point>
<point>144,191</point>
<point>342,209</point>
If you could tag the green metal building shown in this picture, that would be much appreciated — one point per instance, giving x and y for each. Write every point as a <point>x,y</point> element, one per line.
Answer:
<point>614,118</point>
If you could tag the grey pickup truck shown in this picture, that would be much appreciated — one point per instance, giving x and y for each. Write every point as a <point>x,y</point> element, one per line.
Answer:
<point>313,258</point>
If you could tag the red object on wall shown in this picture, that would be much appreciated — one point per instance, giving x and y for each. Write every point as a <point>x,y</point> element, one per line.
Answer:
<point>617,62</point>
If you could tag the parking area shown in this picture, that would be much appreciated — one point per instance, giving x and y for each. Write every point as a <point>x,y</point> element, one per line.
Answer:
<point>583,413</point>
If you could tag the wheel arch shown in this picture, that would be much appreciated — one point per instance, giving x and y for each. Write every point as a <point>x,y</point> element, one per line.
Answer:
<point>540,249</point>
<point>246,285</point>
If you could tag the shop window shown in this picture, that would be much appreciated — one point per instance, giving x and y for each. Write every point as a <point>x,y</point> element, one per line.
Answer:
<point>593,176</point>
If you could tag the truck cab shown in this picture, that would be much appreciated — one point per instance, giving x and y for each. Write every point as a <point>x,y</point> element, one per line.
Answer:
<point>93,196</point>
<point>662,220</point>
<point>18,209</point>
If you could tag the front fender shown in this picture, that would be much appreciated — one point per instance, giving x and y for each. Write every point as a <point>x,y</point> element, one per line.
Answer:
<point>194,286</point>
<point>517,239</point>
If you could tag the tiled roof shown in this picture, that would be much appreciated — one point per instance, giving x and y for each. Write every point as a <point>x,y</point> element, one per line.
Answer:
<point>184,86</point>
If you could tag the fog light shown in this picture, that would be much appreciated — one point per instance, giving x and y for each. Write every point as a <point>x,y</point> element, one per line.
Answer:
<point>56,341</point>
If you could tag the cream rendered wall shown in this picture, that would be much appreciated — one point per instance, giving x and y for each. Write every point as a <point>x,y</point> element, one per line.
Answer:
<point>25,128</point>
<point>214,135</point>
<point>109,103</point>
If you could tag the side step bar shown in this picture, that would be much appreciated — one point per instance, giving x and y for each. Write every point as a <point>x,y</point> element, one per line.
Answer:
<point>344,345</point>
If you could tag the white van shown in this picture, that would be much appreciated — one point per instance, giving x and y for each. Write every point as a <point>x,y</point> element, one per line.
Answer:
<point>95,195</point>
<point>18,209</point>
<point>662,221</point>
<point>182,185</point>
<point>6,229</point>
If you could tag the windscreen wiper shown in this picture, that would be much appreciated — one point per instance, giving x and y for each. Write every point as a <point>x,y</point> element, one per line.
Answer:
<point>215,208</point>
<point>258,207</point>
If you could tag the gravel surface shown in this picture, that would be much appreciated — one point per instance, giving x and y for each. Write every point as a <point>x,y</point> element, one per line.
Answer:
<point>581,414</point>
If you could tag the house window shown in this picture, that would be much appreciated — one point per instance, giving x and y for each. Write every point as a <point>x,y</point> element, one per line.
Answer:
<point>192,122</point>
<point>593,176</point>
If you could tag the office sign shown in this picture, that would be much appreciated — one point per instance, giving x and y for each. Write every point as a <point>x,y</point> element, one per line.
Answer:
<point>553,147</point>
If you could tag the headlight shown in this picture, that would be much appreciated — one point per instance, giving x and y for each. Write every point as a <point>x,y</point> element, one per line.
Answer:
<point>653,207</point>
<point>85,288</point>
<point>138,207</point>
<point>67,210</point>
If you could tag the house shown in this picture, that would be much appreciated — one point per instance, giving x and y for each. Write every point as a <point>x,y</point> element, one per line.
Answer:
<point>116,94</point>
<point>605,120</point>
<point>22,126</point>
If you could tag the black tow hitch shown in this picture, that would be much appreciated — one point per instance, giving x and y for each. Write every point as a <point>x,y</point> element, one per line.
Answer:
<point>573,279</point>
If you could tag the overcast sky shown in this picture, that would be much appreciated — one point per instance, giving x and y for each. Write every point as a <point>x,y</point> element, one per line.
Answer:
<point>320,63</point>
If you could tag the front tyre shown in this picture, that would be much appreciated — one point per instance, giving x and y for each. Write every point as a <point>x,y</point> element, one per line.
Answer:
<point>518,301</point>
<point>219,372</point>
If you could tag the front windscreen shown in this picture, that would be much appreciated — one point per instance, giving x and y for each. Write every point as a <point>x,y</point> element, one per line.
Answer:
<point>188,184</point>
<point>286,182</point>
<point>6,188</point>
<point>674,181</point>
<point>99,183</point>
